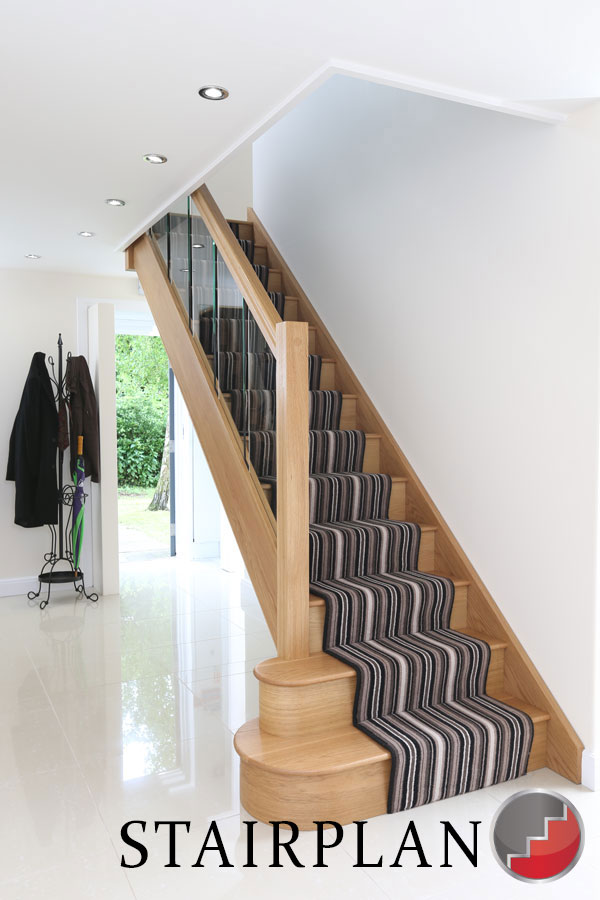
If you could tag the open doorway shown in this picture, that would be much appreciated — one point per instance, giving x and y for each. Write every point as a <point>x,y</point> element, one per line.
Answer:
<point>143,447</point>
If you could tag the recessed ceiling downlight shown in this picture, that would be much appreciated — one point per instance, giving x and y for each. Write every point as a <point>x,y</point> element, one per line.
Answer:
<point>155,158</point>
<point>32,256</point>
<point>197,246</point>
<point>213,92</point>
<point>112,201</point>
<point>86,233</point>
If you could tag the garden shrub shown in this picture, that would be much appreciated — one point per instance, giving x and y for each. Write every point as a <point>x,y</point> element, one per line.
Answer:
<point>142,407</point>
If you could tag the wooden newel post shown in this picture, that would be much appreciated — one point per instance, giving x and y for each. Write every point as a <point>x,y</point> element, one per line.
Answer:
<point>292,490</point>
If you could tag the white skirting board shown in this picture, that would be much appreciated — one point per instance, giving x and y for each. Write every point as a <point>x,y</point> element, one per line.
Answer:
<point>12,587</point>
<point>16,587</point>
<point>590,770</point>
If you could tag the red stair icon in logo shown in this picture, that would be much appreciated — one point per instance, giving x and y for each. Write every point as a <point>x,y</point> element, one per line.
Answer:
<point>551,854</point>
<point>537,835</point>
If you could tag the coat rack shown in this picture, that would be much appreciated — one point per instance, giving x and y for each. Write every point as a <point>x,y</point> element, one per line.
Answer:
<point>61,550</point>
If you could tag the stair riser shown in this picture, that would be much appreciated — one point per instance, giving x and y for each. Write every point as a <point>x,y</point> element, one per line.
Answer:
<point>371,461</point>
<point>260,256</point>
<point>309,709</point>
<point>291,310</point>
<point>327,382</point>
<point>316,619</point>
<point>343,796</point>
<point>245,230</point>
<point>348,416</point>
<point>274,281</point>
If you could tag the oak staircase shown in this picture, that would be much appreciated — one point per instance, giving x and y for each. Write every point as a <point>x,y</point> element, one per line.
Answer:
<point>302,759</point>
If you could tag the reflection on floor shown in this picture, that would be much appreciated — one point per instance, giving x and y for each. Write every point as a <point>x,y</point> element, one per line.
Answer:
<point>126,710</point>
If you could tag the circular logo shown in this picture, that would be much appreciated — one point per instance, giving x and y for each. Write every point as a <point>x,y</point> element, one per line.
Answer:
<point>537,835</point>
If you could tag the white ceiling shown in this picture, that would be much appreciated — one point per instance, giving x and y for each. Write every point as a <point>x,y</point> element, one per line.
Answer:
<point>88,89</point>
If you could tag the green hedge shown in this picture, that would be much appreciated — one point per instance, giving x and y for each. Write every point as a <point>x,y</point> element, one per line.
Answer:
<point>141,436</point>
<point>142,407</point>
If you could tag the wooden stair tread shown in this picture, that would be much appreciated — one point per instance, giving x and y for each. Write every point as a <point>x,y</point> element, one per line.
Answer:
<point>321,666</point>
<point>344,748</point>
<point>295,672</point>
<point>494,643</point>
<point>338,750</point>
<point>535,714</point>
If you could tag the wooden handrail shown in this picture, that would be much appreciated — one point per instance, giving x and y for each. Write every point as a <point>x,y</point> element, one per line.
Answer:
<point>266,316</point>
<point>292,490</point>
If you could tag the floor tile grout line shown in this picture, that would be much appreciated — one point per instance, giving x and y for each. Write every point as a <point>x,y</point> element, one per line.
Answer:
<point>53,708</point>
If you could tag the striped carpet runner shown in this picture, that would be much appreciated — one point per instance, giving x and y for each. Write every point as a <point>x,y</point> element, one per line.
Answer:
<point>420,686</point>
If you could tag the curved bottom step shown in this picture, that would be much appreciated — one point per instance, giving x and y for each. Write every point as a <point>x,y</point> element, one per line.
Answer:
<point>340,777</point>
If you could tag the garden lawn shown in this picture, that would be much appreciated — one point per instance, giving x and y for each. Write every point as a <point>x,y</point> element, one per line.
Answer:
<point>134,513</point>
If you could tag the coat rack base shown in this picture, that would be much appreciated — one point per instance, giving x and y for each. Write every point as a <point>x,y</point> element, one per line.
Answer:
<point>61,576</point>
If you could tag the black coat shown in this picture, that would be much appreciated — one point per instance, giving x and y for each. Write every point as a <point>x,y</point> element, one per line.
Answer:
<point>32,450</point>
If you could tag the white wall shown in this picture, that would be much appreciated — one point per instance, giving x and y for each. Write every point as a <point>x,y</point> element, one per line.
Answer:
<point>231,184</point>
<point>35,306</point>
<point>103,369</point>
<point>452,252</point>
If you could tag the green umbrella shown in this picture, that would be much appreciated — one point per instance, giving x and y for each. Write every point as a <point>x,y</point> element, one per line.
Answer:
<point>78,504</point>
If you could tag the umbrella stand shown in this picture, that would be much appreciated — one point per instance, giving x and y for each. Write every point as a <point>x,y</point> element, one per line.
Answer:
<point>60,567</point>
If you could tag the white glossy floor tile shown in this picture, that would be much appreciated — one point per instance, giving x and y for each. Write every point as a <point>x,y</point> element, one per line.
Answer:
<point>112,718</point>
<point>249,619</point>
<point>186,659</point>
<point>233,698</point>
<point>31,742</point>
<point>168,777</point>
<point>96,878</point>
<point>47,820</point>
<point>20,685</point>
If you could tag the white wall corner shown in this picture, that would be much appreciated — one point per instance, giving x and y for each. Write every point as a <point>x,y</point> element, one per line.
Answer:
<point>101,333</point>
<point>590,770</point>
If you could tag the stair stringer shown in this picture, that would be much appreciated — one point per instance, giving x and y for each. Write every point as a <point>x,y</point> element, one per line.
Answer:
<point>522,680</point>
<point>241,493</point>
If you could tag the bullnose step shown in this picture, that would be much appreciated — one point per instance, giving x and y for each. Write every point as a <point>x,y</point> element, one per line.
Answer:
<point>340,776</point>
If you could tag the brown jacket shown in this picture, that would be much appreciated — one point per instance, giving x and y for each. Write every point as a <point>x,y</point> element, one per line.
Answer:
<point>83,414</point>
